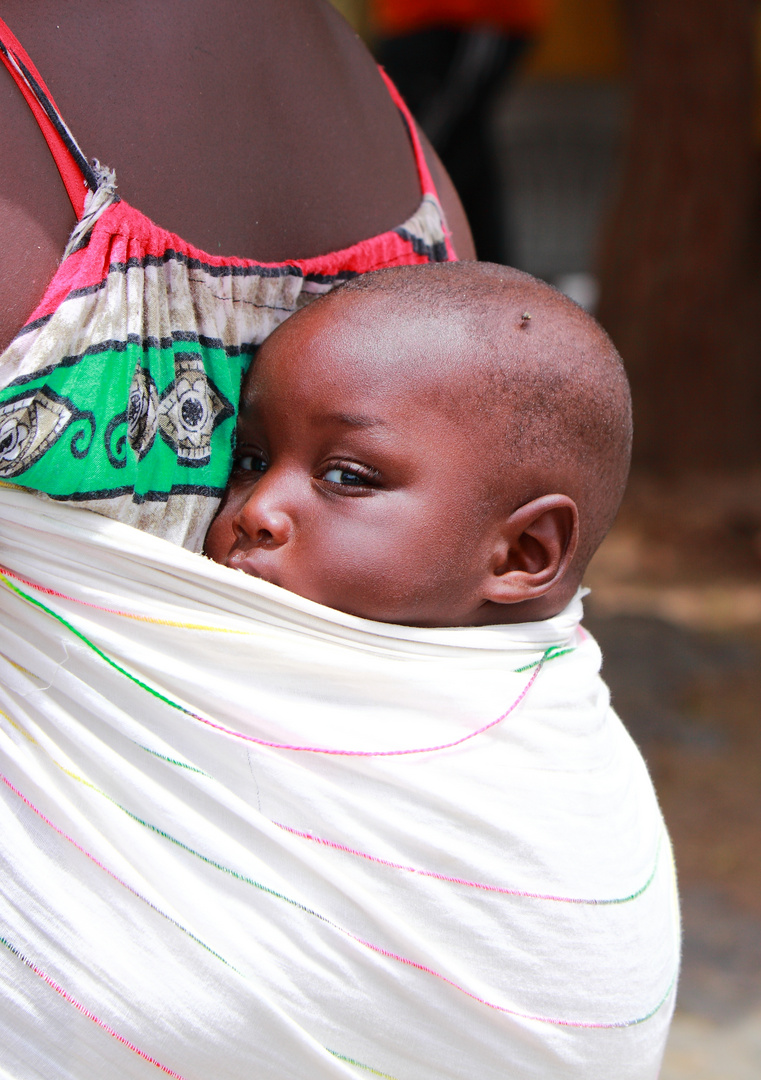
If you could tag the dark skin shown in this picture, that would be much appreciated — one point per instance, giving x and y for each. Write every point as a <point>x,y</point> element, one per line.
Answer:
<point>257,128</point>
<point>359,486</point>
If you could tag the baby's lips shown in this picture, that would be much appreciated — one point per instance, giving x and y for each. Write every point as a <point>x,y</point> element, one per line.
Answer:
<point>247,562</point>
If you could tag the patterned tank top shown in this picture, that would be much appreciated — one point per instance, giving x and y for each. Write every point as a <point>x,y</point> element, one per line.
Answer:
<point>120,393</point>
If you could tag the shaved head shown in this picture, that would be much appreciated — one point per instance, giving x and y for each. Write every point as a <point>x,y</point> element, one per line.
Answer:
<point>436,445</point>
<point>509,352</point>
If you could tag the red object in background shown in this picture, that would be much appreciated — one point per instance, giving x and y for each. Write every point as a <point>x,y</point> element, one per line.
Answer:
<point>392,17</point>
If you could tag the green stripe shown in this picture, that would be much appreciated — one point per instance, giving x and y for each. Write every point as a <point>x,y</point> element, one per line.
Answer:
<point>367,1068</point>
<point>552,653</point>
<point>94,647</point>
<point>173,761</point>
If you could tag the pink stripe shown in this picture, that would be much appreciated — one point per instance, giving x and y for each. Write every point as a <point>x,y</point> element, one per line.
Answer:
<point>65,836</point>
<point>363,753</point>
<point>392,753</point>
<point>378,949</point>
<point>294,746</point>
<point>60,595</point>
<point>501,1008</point>
<point>432,873</point>
<point>90,1015</point>
<point>114,611</point>
<point>84,851</point>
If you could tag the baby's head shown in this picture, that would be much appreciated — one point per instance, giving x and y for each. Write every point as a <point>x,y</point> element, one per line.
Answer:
<point>440,445</point>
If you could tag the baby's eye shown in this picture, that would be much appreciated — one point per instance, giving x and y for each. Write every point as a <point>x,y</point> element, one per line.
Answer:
<point>251,463</point>
<point>337,475</point>
<point>350,475</point>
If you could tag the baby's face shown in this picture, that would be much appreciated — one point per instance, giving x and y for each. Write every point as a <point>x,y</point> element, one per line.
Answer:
<point>355,484</point>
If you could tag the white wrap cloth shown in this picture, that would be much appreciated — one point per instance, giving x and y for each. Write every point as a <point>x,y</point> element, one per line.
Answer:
<point>243,835</point>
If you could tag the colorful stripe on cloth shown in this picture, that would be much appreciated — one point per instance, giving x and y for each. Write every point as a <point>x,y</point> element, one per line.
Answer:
<point>348,868</point>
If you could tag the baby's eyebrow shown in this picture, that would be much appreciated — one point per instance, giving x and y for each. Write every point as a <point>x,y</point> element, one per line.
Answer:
<point>353,420</point>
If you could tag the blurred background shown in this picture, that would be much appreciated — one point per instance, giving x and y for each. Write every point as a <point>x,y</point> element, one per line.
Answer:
<point>612,148</point>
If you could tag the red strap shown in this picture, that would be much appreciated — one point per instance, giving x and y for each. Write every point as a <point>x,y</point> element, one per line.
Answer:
<point>71,163</point>
<point>16,60</point>
<point>426,180</point>
<point>424,173</point>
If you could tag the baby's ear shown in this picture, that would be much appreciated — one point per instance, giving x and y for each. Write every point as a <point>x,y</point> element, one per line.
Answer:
<point>536,548</point>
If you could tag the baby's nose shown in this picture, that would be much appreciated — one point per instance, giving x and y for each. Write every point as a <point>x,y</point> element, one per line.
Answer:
<point>264,518</point>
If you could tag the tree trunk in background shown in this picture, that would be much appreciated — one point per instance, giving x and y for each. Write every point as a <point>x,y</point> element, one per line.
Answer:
<point>679,277</point>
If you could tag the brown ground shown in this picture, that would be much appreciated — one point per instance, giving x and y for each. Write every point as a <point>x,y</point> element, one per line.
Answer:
<point>688,550</point>
<point>676,607</point>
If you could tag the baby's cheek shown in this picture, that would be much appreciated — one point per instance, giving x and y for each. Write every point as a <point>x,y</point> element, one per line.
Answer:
<point>219,538</point>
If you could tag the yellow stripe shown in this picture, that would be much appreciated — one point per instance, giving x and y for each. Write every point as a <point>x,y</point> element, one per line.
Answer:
<point>136,618</point>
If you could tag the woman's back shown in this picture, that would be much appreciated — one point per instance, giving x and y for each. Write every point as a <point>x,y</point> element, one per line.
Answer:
<point>309,152</point>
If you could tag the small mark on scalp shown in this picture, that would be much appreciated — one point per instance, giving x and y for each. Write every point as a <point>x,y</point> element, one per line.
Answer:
<point>524,320</point>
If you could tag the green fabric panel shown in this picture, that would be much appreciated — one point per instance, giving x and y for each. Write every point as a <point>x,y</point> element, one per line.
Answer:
<point>133,419</point>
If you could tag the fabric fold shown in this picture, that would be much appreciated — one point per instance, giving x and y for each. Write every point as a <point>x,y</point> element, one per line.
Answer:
<point>243,831</point>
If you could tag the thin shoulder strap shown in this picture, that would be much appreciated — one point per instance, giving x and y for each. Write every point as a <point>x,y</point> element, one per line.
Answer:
<point>424,175</point>
<point>73,166</point>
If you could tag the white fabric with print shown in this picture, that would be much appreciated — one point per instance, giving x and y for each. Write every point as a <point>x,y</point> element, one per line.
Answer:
<point>246,835</point>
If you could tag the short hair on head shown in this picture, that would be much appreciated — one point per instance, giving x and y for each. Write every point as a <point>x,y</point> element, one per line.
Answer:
<point>544,365</point>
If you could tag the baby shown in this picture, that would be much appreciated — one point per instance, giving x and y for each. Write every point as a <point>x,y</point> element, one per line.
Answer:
<point>443,445</point>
